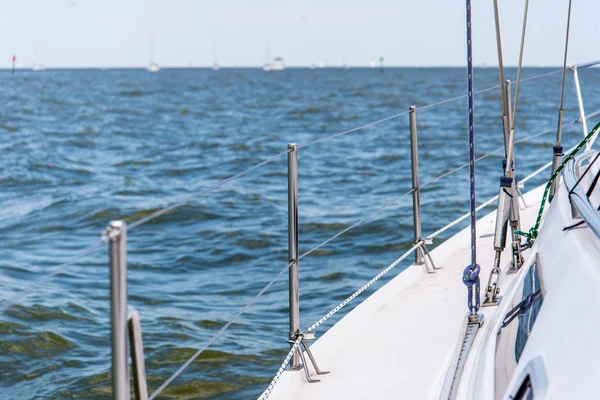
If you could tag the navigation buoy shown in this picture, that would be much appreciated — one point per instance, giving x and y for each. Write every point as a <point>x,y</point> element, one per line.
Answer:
<point>14,60</point>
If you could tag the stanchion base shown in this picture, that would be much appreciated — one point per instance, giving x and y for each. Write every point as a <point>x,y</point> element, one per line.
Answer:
<point>491,302</point>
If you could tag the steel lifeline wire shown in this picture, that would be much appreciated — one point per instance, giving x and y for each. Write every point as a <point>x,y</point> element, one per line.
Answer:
<point>58,269</point>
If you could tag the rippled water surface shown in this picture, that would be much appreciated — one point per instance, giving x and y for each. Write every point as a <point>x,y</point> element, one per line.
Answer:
<point>82,148</point>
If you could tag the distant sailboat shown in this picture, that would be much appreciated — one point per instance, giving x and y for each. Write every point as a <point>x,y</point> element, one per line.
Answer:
<point>215,65</point>
<point>37,66</point>
<point>278,64</point>
<point>153,67</point>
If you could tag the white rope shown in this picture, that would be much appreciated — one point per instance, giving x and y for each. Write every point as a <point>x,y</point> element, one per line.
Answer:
<point>267,392</point>
<point>536,172</point>
<point>364,287</point>
<point>282,368</point>
<point>462,218</point>
<point>487,203</point>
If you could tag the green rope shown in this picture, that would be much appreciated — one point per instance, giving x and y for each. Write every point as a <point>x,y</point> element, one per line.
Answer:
<point>533,232</point>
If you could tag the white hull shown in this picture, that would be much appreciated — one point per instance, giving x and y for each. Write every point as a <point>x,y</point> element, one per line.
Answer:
<point>400,342</point>
<point>153,68</point>
<point>277,65</point>
<point>395,343</point>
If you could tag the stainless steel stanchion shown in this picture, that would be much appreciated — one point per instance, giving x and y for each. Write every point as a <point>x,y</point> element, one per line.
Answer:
<point>117,234</point>
<point>293,251</point>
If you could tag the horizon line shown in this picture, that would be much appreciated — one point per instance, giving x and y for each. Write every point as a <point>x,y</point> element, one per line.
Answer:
<point>302,66</point>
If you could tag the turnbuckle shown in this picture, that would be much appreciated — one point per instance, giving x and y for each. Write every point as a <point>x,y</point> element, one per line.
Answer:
<point>309,335</point>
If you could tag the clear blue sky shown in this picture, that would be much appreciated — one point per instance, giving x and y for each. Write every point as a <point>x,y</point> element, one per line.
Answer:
<point>408,33</point>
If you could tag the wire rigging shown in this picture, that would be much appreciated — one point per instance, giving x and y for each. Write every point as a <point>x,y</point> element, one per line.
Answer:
<point>286,361</point>
<point>514,116</point>
<point>58,269</point>
<point>564,74</point>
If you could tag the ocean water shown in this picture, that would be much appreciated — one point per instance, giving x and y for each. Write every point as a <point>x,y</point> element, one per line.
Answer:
<point>83,147</point>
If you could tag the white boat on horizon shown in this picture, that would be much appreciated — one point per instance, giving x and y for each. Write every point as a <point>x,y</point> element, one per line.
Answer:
<point>36,65</point>
<point>152,66</point>
<point>277,65</point>
<point>215,65</point>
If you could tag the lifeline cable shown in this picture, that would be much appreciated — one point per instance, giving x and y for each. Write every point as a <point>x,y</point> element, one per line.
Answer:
<point>265,395</point>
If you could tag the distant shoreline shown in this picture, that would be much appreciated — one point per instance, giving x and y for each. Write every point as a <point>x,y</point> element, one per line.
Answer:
<point>47,68</point>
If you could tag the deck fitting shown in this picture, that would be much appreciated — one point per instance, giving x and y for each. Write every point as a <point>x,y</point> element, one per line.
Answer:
<point>428,260</point>
<point>309,335</point>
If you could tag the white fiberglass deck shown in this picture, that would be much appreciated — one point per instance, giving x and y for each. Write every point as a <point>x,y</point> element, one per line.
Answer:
<point>398,342</point>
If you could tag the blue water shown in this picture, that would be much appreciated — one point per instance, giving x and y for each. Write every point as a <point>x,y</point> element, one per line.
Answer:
<point>83,147</point>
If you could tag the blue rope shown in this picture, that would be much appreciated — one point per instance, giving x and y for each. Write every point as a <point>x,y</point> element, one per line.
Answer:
<point>471,273</point>
<point>521,308</point>
<point>471,278</point>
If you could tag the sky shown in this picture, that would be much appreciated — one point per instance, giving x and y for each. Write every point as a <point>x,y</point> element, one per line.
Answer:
<point>111,33</point>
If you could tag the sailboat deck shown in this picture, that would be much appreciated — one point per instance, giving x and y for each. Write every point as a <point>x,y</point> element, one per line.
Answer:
<point>398,342</point>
